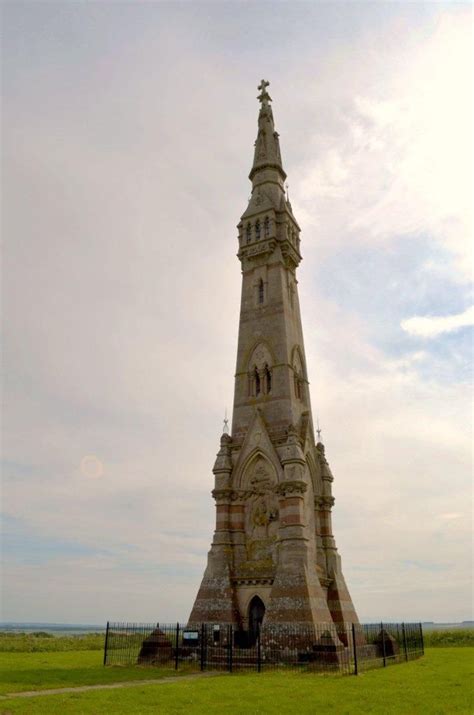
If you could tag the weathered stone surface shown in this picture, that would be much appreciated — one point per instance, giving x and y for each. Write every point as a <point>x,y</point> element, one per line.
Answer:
<point>273,484</point>
<point>156,648</point>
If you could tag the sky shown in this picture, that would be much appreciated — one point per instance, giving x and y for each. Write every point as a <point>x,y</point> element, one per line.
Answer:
<point>128,133</point>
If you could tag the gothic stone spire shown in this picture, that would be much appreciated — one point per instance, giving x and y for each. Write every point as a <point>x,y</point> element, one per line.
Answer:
<point>273,486</point>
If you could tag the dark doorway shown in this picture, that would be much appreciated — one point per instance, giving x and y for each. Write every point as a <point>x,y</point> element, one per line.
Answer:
<point>256,614</point>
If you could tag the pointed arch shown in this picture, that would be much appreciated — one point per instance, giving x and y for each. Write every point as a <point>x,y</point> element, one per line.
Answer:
<point>270,357</point>
<point>259,466</point>
<point>256,614</point>
<point>297,360</point>
<point>315,475</point>
<point>259,370</point>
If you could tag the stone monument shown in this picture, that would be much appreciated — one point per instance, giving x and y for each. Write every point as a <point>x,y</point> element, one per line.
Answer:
<point>273,557</point>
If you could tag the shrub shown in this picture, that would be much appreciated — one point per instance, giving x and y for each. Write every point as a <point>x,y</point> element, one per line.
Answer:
<point>457,637</point>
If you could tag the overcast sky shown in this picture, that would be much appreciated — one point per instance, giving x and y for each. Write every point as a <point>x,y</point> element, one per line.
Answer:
<point>128,133</point>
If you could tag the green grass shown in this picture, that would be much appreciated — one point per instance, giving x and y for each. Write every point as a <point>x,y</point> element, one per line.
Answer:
<point>435,684</point>
<point>40,671</point>
<point>46,643</point>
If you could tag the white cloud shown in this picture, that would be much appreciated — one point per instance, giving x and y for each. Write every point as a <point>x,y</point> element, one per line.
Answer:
<point>432,326</point>
<point>399,160</point>
<point>122,292</point>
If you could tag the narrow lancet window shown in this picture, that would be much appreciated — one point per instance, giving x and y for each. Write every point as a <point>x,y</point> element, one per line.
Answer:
<point>266,227</point>
<point>257,230</point>
<point>258,386</point>
<point>261,291</point>
<point>268,380</point>
<point>248,233</point>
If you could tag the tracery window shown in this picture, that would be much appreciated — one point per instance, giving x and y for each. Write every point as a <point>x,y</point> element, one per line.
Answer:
<point>257,230</point>
<point>260,373</point>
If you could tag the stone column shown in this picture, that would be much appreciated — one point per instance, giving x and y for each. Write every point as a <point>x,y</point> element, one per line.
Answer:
<point>339,600</point>
<point>215,601</point>
<point>296,597</point>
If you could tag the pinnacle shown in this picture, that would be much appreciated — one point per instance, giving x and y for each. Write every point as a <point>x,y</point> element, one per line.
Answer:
<point>267,146</point>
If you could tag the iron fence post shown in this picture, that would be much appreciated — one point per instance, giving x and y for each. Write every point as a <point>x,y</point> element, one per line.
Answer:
<point>354,645</point>
<point>405,641</point>
<point>202,645</point>
<point>259,653</point>
<point>230,639</point>
<point>383,646</point>
<point>422,640</point>
<point>106,643</point>
<point>176,655</point>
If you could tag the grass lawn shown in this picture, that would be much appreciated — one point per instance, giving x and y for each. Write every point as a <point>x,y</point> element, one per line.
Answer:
<point>40,671</point>
<point>438,683</point>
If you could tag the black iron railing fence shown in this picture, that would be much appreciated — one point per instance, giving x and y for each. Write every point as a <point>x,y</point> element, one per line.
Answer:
<point>345,648</point>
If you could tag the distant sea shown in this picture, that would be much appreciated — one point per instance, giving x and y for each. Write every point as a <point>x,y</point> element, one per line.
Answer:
<point>57,629</point>
<point>75,629</point>
<point>430,626</point>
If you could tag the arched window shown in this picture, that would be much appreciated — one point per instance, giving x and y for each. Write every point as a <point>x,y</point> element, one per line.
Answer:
<point>268,380</point>
<point>260,371</point>
<point>258,385</point>
<point>248,233</point>
<point>256,616</point>
<point>266,227</point>
<point>257,230</point>
<point>261,291</point>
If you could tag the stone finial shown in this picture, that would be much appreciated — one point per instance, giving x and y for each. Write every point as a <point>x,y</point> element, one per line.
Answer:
<point>225,429</point>
<point>264,97</point>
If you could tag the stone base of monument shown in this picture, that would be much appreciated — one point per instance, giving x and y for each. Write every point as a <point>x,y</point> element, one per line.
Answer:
<point>386,645</point>
<point>329,649</point>
<point>156,648</point>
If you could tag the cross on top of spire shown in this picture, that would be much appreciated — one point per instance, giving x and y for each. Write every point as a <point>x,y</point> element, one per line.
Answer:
<point>264,97</point>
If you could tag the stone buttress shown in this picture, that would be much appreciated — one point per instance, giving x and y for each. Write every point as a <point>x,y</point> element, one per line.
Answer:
<point>273,554</point>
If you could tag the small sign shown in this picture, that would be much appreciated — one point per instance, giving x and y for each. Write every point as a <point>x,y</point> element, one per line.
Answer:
<point>190,637</point>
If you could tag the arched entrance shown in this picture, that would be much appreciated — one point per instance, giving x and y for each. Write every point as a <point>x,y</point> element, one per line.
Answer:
<point>256,614</point>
